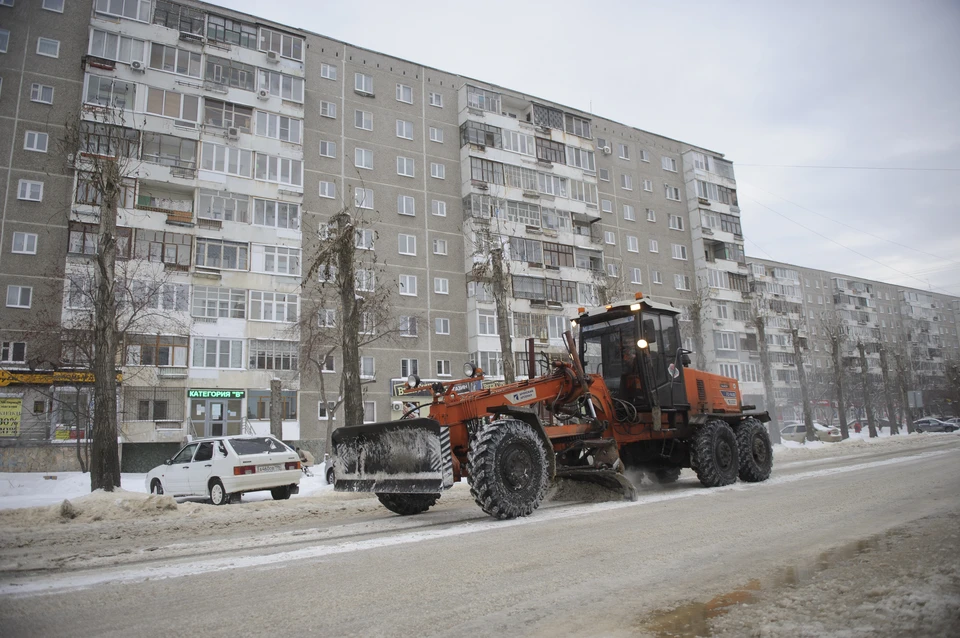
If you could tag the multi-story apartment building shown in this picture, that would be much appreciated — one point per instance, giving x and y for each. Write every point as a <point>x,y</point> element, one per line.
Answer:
<point>240,139</point>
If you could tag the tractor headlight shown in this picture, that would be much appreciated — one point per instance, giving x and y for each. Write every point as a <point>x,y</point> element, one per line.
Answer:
<point>469,370</point>
<point>642,344</point>
<point>413,381</point>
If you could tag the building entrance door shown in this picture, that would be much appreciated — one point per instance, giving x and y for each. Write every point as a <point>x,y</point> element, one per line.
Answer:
<point>215,417</point>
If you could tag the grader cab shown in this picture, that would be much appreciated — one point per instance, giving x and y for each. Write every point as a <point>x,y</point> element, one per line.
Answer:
<point>621,402</point>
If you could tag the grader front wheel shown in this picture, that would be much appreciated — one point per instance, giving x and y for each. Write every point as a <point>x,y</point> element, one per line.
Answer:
<point>508,469</point>
<point>715,454</point>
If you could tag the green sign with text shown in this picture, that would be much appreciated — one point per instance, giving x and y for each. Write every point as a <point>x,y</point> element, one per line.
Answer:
<point>216,394</point>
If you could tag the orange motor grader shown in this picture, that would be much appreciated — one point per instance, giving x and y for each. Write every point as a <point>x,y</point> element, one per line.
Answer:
<point>622,399</point>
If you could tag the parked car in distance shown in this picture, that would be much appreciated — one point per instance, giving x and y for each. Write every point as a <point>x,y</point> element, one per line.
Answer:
<point>797,432</point>
<point>328,468</point>
<point>930,424</point>
<point>224,467</point>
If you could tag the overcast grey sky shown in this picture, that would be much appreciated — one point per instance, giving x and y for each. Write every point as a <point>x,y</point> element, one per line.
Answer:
<point>843,83</point>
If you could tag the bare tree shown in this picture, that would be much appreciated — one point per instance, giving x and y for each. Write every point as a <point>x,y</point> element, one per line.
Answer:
<point>802,376</point>
<point>698,311</point>
<point>865,389</point>
<point>888,391</point>
<point>834,329</point>
<point>344,309</point>
<point>758,319</point>
<point>902,365</point>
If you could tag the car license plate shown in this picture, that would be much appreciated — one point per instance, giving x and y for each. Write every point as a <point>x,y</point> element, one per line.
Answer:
<point>268,468</point>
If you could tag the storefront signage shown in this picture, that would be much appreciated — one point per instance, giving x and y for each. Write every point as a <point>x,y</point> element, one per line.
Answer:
<point>216,394</point>
<point>47,378</point>
<point>10,416</point>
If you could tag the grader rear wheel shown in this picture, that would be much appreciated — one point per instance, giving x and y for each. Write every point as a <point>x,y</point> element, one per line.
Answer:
<point>508,469</point>
<point>756,453</point>
<point>408,504</point>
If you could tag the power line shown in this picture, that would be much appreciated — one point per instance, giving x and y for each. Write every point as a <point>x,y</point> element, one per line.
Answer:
<point>819,234</point>
<point>855,168</point>
<point>859,230</point>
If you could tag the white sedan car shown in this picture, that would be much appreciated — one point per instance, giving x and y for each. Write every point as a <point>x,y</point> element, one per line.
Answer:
<point>224,467</point>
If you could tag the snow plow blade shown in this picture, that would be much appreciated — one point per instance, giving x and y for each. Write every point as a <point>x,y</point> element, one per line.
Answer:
<point>394,457</point>
<point>610,479</point>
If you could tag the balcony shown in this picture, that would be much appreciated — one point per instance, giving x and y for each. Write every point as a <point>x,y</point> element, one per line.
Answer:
<point>178,206</point>
<point>172,372</point>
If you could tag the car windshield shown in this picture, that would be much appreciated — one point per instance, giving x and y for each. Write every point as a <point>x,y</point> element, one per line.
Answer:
<point>259,445</point>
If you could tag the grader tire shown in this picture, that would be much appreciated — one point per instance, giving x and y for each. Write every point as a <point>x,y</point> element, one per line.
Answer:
<point>508,469</point>
<point>408,504</point>
<point>667,475</point>
<point>756,453</point>
<point>715,448</point>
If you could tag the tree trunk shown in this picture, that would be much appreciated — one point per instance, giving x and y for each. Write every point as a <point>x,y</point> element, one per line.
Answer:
<point>773,426</point>
<point>352,392</point>
<point>865,382</point>
<point>105,459</point>
<point>904,382</point>
<point>80,456</point>
<point>838,385</point>
<point>888,391</point>
<point>804,391</point>
<point>503,314</point>
<point>276,409</point>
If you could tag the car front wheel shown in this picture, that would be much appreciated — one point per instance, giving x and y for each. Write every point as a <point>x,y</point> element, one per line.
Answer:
<point>218,495</point>
<point>156,487</point>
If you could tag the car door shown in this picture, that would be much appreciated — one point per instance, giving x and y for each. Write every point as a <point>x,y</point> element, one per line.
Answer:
<point>175,479</point>
<point>200,469</point>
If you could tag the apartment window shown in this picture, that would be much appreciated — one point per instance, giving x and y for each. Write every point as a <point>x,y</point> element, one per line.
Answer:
<point>13,351</point>
<point>180,152</point>
<point>216,253</point>
<point>174,60</point>
<point>405,166</point>
<point>552,184</point>
<point>35,141</point>
<point>30,191</point>
<point>51,5</point>
<point>577,125</point>
<point>328,149</point>
<point>271,354</point>
<point>406,205</point>
<point>277,260</point>
<point>404,94</point>
<point>581,158</point>
<point>676,222</point>
<point>328,71</point>
<point>408,326</point>
<point>681,282</point>
<point>48,47</point>
<point>439,246</point>
<point>656,277</point>
<point>405,129</point>
<point>624,151</point>
<point>363,158</point>
<point>644,156</point>
<point>407,244</point>
<point>279,170</point>
<point>654,246</point>
<point>443,367</point>
<point>550,151</point>
<point>408,367</point>
<point>178,106</point>
<point>438,170</point>
<point>668,164</point>
<point>613,270</point>
<point>364,280</point>
<point>439,208</point>
<point>651,215</point>
<point>626,182</point>
<point>606,205</point>
<point>633,244</point>
<point>217,353</point>
<point>227,115</point>
<point>364,120</point>
<point>283,44</point>
<point>435,99</point>
<point>273,306</point>
<point>436,134</point>
<point>112,46</point>
<point>483,100</point>
<point>40,92</point>
<point>286,87</point>
<point>26,243</point>
<point>725,340</point>
<point>603,175</point>
<point>367,367</point>
<point>108,92</point>
<point>518,142</point>
<point>229,207</point>
<point>363,83</point>
<point>483,170</point>
<point>363,198</point>
<point>328,190</point>
<point>679,251</point>
<point>328,109</point>
<point>408,285</point>
<point>609,238</point>
<point>487,323</point>
<point>648,185</point>
<point>671,192</point>
<point>441,286</point>
<point>628,213</point>
<point>19,296</point>
<point>213,302</point>
<point>636,275</point>
<point>279,127</point>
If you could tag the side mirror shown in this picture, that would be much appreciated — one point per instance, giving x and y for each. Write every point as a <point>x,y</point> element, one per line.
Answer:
<point>168,462</point>
<point>685,360</point>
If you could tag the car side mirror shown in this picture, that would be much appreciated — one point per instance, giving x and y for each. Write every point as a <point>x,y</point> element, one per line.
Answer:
<point>168,462</point>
